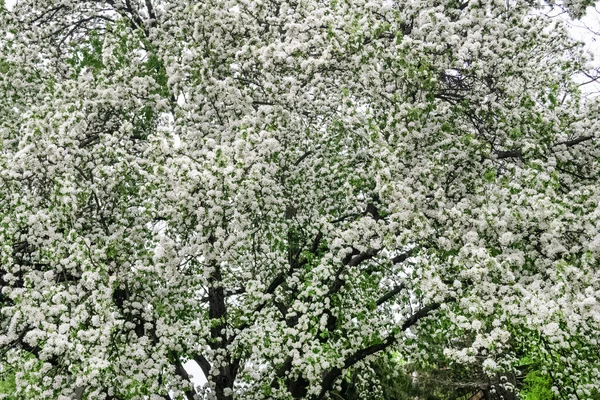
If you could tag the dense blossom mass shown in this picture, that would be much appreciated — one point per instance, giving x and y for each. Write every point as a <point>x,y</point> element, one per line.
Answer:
<point>285,190</point>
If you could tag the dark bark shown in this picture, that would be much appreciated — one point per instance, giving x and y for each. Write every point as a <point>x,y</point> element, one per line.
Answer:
<point>78,393</point>
<point>189,393</point>
<point>518,153</point>
<point>217,310</point>
<point>390,294</point>
<point>297,386</point>
<point>331,376</point>
<point>203,363</point>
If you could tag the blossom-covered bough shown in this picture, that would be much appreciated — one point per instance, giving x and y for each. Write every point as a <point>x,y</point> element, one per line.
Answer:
<point>282,190</point>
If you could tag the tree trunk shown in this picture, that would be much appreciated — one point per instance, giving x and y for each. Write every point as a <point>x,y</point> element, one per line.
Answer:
<point>217,309</point>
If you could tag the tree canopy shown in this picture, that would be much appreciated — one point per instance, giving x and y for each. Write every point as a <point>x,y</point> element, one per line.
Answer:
<point>283,190</point>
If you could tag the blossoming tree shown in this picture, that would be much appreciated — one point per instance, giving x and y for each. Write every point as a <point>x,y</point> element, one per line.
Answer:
<point>281,190</point>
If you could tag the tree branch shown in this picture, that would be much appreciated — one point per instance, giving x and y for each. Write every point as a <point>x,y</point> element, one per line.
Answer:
<point>573,142</point>
<point>204,364</point>
<point>331,376</point>
<point>365,255</point>
<point>404,256</point>
<point>189,393</point>
<point>150,10</point>
<point>390,294</point>
<point>518,153</point>
<point>279,280</point>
